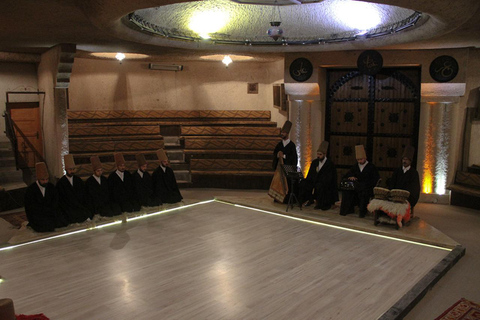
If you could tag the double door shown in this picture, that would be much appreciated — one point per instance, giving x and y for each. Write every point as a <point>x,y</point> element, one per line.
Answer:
<point>381,112</point>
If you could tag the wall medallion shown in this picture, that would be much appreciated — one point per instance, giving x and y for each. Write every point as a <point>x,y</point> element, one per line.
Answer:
<point>443,68</point>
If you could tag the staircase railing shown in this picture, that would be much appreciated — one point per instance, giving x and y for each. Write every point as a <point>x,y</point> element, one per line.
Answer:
<point>10,132</point>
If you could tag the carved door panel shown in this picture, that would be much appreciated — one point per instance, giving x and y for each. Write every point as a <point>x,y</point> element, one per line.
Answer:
<point>26,120</point>
<point>381,112</point>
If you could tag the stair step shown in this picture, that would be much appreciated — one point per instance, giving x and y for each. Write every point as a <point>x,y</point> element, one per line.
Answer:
<point>183,175</point>
<point>172,141</point>
<point>7,162</point>
<point>10,175</point>
<point>176,155</point>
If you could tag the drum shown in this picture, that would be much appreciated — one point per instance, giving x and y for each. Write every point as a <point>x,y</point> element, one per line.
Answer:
<point>399,195</point>
<point>381,193</point>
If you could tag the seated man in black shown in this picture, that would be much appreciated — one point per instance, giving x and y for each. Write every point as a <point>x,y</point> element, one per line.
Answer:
<point>41,203</point>
<point>72,194</point>
<point>144,184</point>
<point>120,184</point>
<point>164,183</point>
<point>365,177</point>
<point>321,177</point>
<point>98,196</point>
<point>406,177</point>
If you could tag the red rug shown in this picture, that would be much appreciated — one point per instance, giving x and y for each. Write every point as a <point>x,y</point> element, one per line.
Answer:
<point>39,316</point>
<point>461,310</point>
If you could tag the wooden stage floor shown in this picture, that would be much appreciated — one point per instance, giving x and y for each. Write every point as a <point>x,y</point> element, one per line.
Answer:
<point>221,260</point>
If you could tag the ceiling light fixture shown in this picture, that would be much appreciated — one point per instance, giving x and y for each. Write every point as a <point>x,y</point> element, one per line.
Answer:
<point>120,56</point>
<point>227,60</point>
<point>275,31</point>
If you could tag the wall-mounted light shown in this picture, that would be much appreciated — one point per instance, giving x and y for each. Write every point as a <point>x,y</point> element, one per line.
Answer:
<point>165,67</point>
<point>120,56</point>
<point>227,60</point>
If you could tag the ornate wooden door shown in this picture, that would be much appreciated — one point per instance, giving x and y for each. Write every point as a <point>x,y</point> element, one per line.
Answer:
<point>381,112</point>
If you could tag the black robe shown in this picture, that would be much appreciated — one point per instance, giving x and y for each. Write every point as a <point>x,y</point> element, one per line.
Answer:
<point>165,185</point>
<point>144,190</point>
<point>123,192</point>
<point>367,180</point>
<point>98,198</point>
<point>42,212</point>
<point>290,152</point>
<point>291,158</point>
<point>324,182</point>
<point>72,200</point>
<point>406,181</point>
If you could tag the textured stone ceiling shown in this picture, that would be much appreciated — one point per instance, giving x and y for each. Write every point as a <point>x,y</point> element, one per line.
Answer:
<point>247,22</point>
<point>31,27</point>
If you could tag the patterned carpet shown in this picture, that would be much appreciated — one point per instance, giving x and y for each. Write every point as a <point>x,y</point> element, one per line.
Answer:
<point>463,309</point>
<point>15,219</point>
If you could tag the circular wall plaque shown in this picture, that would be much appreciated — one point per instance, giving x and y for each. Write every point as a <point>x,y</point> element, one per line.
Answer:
<point>443,68</point>
<point>301,69</point>
<point>370,62</point>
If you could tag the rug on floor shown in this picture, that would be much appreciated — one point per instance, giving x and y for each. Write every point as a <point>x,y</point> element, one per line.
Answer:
<point>463,309</point>
<point>39,316</point>
<point>15,219</point>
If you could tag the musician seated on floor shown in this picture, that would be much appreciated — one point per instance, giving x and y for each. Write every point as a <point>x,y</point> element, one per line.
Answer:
<point>406,177</point>
<point>98,195</point>
<point>72,194</point>
<point>41,203</point>
<point>365,177</point>
<point>164,182</point>
<point>320,185</point>
<point>121,187</point>
<point>144,184</point>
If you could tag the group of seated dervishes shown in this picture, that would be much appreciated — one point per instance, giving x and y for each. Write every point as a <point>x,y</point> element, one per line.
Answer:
<point>71,200</point>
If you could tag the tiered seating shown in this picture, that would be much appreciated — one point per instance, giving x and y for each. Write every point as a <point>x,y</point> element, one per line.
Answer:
<point>229,149</point>
<point>101,133</point>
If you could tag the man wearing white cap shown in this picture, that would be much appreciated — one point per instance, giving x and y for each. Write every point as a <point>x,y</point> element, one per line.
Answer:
<point>406,177</point>
<point>164,181</point>
<point>120,183</point>
<point>321,177</point>
<point>72,194</point>
<point>365,177</point>
<point>41,203</point>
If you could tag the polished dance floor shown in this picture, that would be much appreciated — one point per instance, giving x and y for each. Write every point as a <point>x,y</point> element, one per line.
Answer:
<point>217,260</point>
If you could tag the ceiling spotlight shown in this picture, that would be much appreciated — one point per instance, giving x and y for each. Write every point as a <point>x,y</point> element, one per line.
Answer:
<point>227,60</point>
<point>120,56</point>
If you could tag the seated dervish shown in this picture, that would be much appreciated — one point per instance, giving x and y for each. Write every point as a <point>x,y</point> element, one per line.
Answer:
<point>321,182</point>
<point>164,182</point>
<point>406,177</point>
<point>72,194</point>
<point>98,195</point>
<point>144,184</point>
<point>41,203</point>
<point>121,188</point>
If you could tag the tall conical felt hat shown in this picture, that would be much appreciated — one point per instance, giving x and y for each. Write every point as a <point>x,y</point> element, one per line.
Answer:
<point>96,164</point>
<point>408,152</point>
<point>7,310</point>
<point>287,127</point>
<point>360,152</point>
<point>41,170</point>
<point>161,155</point>
<point>140,159</point>
<point>119,160</point>
<point>323,147</point>
<point>68,161</point>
